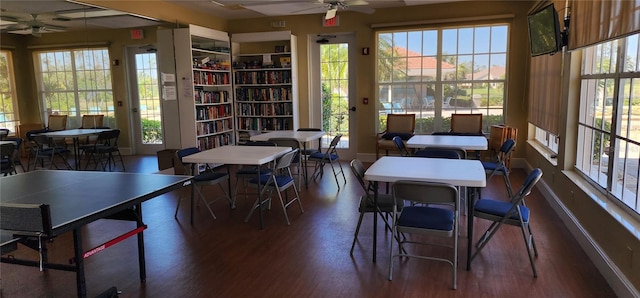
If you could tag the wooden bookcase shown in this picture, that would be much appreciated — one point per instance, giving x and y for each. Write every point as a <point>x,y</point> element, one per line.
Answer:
<point>265,82</point>
<point>203,87</point>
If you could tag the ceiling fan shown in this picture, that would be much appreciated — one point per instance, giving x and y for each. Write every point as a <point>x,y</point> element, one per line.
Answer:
<point>32,26</point>
<point>353,5</point>
<point>280,7</point>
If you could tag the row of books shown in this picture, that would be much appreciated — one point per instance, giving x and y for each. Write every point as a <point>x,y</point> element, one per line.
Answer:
<point>205,128</point>
<point>264,94</point>
<point>211,142</point>
<point>213,112</point>
<point>210,78</point>
<point>203,96</point>
<point>263,77</point>
<point>211,65</point>
<point>264,123</point>
<point>264,109</point>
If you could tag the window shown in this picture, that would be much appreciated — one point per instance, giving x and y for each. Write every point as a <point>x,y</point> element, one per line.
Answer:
<point>434,73</point>
<point>75,83</point>
<point>608,150</point>
<point>547,139</point>
<point>8,104</point>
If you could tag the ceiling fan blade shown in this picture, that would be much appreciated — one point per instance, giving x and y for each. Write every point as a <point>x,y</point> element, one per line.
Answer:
<point>15,27</point>
<point>355,2</point>
<point>50,27</point>
<point>367,10</point>
<point>9,19</point>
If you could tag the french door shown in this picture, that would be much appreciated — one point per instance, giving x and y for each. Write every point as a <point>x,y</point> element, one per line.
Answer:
<point>145,102</point>
<point>332,84</point>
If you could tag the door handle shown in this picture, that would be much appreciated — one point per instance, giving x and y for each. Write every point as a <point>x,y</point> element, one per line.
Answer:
<point>135,110</point>
<point>353,109</point>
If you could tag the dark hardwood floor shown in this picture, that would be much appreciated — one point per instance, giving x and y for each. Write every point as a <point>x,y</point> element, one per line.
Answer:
<point>230,258</point>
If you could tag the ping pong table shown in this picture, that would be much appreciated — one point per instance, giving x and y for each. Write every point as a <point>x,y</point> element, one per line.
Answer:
<point>79,198</point>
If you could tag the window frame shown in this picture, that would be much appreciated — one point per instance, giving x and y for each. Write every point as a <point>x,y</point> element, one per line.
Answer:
<point>592,128</point>
<point>10,94</point>
<point>438,84</point>
<point>91,58</point>
<point>546,139</point>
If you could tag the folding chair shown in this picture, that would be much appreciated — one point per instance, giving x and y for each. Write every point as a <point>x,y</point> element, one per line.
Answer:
<point>402,149</point>
<point>330,156</point>
<point>366,203</point>
<point>309,150</point>
<point>448,153</point>
<point>514,213</point>
<point>280,180</point>
<point>31,146</point>
<point>434,212</point>
<point>499,166</point>
<point>297,162</point>
<point>43,147</point>
<point>29,224</point>
<point>244,173</point>
<point>17,153</point>
<point>7,153</point>
<point>201,178</point>
<point>104,150</point>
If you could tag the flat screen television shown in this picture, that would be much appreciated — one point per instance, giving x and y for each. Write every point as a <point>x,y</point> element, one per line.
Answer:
<point>544,31</point>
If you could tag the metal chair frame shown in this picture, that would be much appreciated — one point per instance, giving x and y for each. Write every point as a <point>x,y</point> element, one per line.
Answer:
<point>514,213</point>
<point>330,156</point>
<point>434,212</point>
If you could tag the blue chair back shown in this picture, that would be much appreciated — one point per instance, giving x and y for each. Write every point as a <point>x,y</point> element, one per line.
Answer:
<point>438,153</point>
<point>186,152</point>
<point>507,146</point>
<point>529,182</point>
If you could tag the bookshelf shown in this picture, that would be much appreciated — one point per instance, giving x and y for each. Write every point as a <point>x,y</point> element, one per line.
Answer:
<point>265,82</point>
<point>203,85</point>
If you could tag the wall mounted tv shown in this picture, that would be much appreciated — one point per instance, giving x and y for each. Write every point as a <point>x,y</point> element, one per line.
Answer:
<point>544,31</point>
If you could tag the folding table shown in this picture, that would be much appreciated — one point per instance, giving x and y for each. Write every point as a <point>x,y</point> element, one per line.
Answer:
<point>237,155</point>
<point>457,172</point>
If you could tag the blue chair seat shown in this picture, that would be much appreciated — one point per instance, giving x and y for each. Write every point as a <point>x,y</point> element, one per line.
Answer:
<point>426,218</point>
<point>280,180</point>
<point>491,166</point>
<point>500,209</point>
<point>208,176</point>
<point>320,155</point>
<point>253,171</point>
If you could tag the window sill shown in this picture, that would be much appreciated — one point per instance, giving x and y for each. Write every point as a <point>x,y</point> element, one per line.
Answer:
<point>630,221</point>
<point>544,152</point>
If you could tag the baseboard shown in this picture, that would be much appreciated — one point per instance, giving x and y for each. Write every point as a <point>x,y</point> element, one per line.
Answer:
<point>609,270</point>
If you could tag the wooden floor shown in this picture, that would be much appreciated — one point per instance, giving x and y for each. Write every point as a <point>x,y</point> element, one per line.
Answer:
<point>230,258</point>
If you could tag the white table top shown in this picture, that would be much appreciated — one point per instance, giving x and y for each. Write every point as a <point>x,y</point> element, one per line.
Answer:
<point>301,136</point>
<point>458,172</point>
<point>238,155</point>
<point>72,133</point>
<point>7,142</point>
<point>448,141</point>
